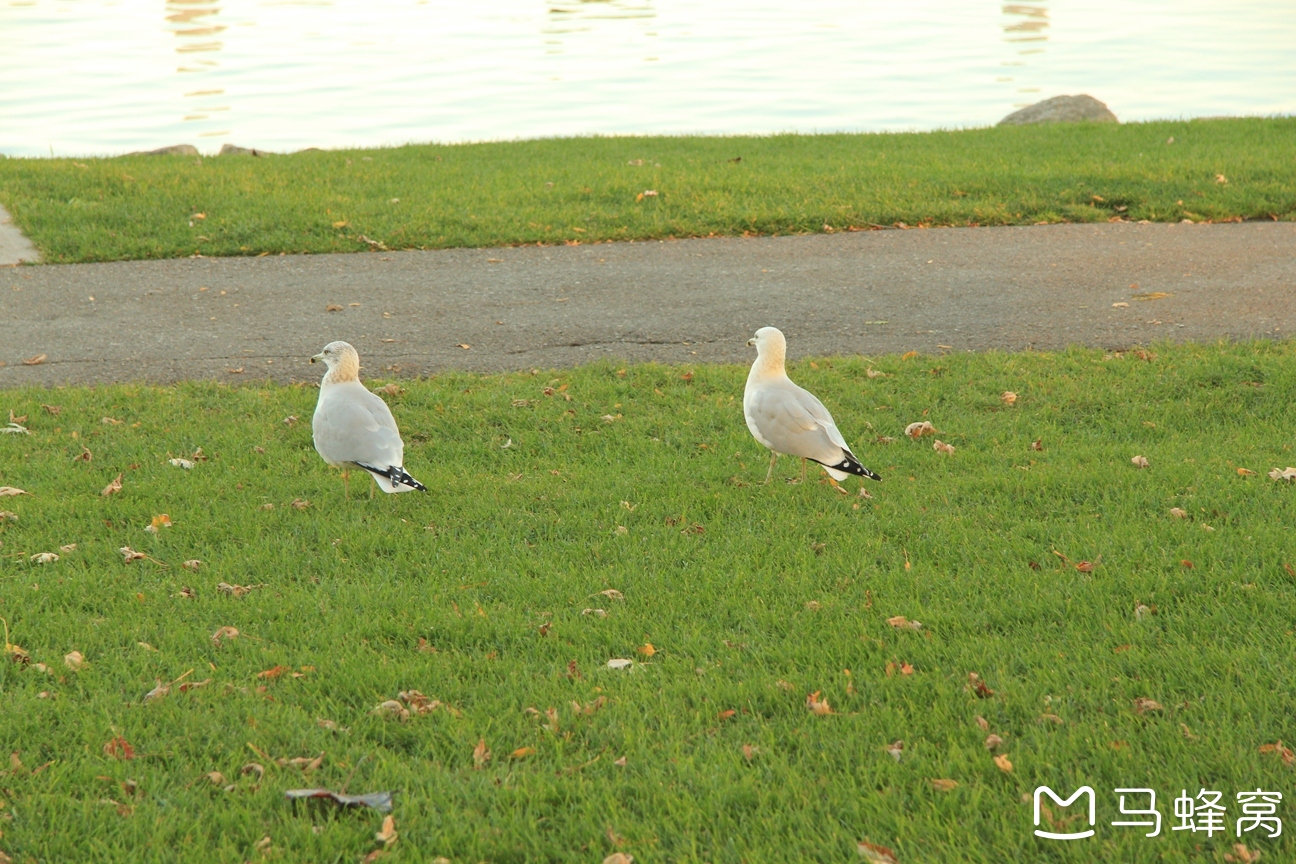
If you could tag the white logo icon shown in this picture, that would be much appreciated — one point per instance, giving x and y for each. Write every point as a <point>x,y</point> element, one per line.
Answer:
<point>1079,835</point>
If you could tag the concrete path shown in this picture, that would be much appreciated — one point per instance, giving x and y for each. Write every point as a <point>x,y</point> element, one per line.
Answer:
<point>14,247</point>
<point>686,301</point>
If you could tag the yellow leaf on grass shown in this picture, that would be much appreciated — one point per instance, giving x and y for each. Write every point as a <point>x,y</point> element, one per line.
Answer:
<point>818,706</point>
<point>1140,462</point>
<point>481,754</point>
<point>647,649</point>
<point>1245,472</point>
<point>900,622</point>
<point>74,660</point>
<point>522,753</point>
<point>943,785</point>
<point>387,835</point>
<point>1008,397</point>
<point>1003,763</point>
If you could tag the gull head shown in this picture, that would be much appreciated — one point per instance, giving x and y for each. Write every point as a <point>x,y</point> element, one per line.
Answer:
<point>342,360</point>
<point>767,340</point>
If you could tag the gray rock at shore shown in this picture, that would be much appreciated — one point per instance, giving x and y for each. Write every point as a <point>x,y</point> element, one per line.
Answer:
<point>1062,109</point>
<point>235,150</point>
<point>173,150</point>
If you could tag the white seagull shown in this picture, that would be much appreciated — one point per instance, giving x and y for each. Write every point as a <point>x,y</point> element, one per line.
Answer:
<point>789,419</point>
<point>354,428</point>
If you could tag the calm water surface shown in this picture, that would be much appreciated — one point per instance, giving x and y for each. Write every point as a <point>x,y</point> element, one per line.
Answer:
<point>83,77</point>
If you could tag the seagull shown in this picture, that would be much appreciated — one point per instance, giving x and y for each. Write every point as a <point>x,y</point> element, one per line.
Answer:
<point>789,419</point>
<point>354,428</point>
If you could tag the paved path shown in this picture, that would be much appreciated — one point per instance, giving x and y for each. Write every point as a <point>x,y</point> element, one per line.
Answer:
<point>696,300</point>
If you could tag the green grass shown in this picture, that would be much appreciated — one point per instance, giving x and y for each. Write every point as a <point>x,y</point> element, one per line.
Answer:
<point>587,189</point>
<point>753,596</point>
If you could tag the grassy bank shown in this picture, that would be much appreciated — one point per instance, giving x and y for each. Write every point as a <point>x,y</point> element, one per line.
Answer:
<point>483,594</point>
<point>595,189</point>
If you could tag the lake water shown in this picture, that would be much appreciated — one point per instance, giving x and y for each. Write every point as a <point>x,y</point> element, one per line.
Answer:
<point>86,77</point>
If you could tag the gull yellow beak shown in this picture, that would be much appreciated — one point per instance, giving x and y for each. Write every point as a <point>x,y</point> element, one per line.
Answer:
<point>318,358</point>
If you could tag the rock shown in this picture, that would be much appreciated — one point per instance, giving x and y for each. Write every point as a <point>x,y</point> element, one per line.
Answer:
<point>1062,109</point>
<point>234,150</point>
<point>173,150</point>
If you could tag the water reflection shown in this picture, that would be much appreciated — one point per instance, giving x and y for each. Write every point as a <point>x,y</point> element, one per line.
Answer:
<point>1024,23</point>
<point>193,23</point>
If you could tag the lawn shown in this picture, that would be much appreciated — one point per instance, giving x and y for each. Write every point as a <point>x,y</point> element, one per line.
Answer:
<point>585,515</point>
<point>584,190</point>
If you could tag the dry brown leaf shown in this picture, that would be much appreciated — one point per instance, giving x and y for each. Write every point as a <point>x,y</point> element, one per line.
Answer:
<point>216,778</point>
<point>943,785</point>
<point>818,706</point>
<point>1143,706</point>
<point>993,742</point>
<point>481,754</point>
<point>1003,763</point>
<point>1037,444</point>
<point>224,633</point>
<point>1008,398</point>
<point>1282,750</point>
<point>612,594</point>
<point>387,834</point>
<point>1221,179</point>
<point>111,421</point>
<point>333,307</point>
<point>9,491</point>
<point>8,516</point>
<point>74,660</point>
<point>44,557</point>
<point>977,686</point>
<point>1085,566</point>
<point>873,373</point>
<point>1289,474</point>
<point>1187,733</point>
<point>418,703</point>
<point>726,714</point>
<point>918,430</point>
<point>391,709</point>
<point>112,488</point>
<point>522,753</point>
<point>1140,462</point>
<point>34,361</point>
<point>1245,472</point>
<point>941,447</point>
<point>158,691</point>
<point>1052,718</point>
<point>1242,855</point>
<point>647,649</point>
<point>895,749</point>
<point>748,752</point>
<point>119,748</point>
<point>906,669</point>
<point>620,857</point>
<point>299,504</point>
<point>900,622</point>
<point>874,853</point>
<point>983,723</point>
<point>909,355</point>
<point>1178,513</point>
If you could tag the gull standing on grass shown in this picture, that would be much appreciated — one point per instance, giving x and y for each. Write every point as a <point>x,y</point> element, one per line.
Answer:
<point>354,428</point>
<point>789,419</point>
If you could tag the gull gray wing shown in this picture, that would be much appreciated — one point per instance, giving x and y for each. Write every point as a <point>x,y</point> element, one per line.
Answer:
<point>353,426</point>
<point>795,422</point>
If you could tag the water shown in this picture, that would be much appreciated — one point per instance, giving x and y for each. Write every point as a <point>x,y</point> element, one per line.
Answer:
<point>87,77</point>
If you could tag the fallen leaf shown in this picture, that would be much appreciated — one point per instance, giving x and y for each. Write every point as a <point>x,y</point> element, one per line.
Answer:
<point>1289,474</point>
<point>874,853</point>
<point>895,749</point>
<point>941,447</point>
<point>943,785</point>
<point>111,421</point>
<point>34,361</point>
<point>1152,295</point>
<point>1139,462</point>
<point>1140,610</point>
<point>619,663</point>
<point>1282,750</point>
<point>1187,733</point>
<point>647,649</point>
<point>74,660</point>
<point>1003,763</point>
<point>1008,397</point>
<point>1221,179</point>
<point>387,834</point>
<point>1178,513</point>
<point>273,672</point>
<point>909,355</point>
<point>253,768</point>
<point>1245,472</point>
<point>158,691</point>
<point>112,488</point>
<point>977,686</point>
<point>993,742</point>
<point>918,430</point>
<point>1037,444</point>
<point>299,504</point>
<point>619,857</point>
<point>900,622</point>
<point>224,633</point>
<point>159,522</point>
<point>119,748</point>
<point>522,753</point>
<point>391,709</point>
<point>1186,564</point>
<point>873,373</point>
<point>1143,706</point>
<point>983,723</point>
<point>333,307</point>
<point>817,706</point>
<point>417,702</point>
<point>481,754</point>
<point>44,557</point>
<point>1085,566</point>
<point>1120,305</point>
<point>1242,855</point>
<point>11,491</point>
<point>186,464</point>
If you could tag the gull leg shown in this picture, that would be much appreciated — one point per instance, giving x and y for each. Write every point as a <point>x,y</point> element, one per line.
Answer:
<point>372,483</point>
<point>803,469</point>
<point>770,472</point>
<point>346,488</point>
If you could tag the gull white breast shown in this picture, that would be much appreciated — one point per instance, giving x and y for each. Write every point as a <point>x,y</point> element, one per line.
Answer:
<point>789,419</point>
<point>354,428</point>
